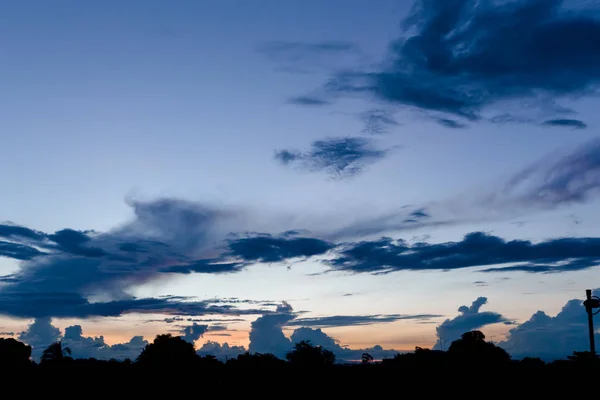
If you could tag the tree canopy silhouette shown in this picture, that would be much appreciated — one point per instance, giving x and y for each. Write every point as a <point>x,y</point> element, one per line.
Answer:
<point>472,348</point>
<point>14,353</point>
<point>305,354</point>
<point>168,351</point>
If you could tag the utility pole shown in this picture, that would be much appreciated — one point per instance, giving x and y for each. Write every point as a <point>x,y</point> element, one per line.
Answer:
<point>590,303</point>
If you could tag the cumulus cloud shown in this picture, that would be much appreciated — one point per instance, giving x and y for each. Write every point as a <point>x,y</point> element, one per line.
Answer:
<point>469,319</point>
<point>551,338</point>
<point>266,335</point>
<point>95,347</point>
<point>221,351</point>
<point>460,58</point>
<point>339,157</point>
<point>39,335</point>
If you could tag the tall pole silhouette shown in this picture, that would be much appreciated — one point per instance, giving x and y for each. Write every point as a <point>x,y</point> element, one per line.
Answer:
<point>590,303</point>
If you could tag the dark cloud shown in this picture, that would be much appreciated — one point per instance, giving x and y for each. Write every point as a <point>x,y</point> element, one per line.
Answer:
<point>308,101</point>
<point>551,338</point>
<point>303,58</point>
<point>268,248</point>
<point>209,266</point>
<point>470,318</point>
<point>339,157</point>
<point>461,57</point>
<point>378,121</point>
<point>193,332</point>
<point>476,249</point>
<point>7,333</point>
<point>18,251</point>
<point>567,123</point>
<point>355,320</point>
<point>166,235</point>
<point>71,305</point>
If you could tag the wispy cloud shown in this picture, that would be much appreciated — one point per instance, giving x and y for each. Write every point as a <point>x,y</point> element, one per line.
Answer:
<point>378,121</point>
<point>355,320</point>
<point>304,58</point>
<point>339,157</point>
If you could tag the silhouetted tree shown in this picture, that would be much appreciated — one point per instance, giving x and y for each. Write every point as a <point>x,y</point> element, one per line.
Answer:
<point>55,353</point>
<point>307,355</point>
<point>14,353</point>
<point>168,351</point>
<point>472,348</point>
<point>366,358</point>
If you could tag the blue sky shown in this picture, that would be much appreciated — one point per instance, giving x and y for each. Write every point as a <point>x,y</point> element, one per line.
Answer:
<point>249,167</point>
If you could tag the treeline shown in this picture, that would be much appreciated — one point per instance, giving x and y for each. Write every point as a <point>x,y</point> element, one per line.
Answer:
<point>171,353</point>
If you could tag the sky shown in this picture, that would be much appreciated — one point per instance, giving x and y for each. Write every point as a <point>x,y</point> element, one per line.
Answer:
<point>367,175</point>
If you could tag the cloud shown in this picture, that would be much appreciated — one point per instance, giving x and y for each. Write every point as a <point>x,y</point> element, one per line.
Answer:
<point>308,101</point>
<point>378,121</point>
<point>71,305</point>
<point>355,320</point>
<point>469,319</point>
<point>266,334</point>
<point>343,354</point>
<point>39,335</point>
<point>551,338</point>
<point>306,58</point>
<point>65,273</point>
<point>462,57</point>
<point>339,157</point>
<point>450,123</point>
<point>267,248</point>
<point>567,123</point>
<point>555,180</point>
<point>475,249</point>
<point>193,332</point>
<point>95,347</point>
<point>221,351</point>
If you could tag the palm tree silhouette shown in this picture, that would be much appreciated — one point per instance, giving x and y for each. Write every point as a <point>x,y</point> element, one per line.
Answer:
<point>55,352</point>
